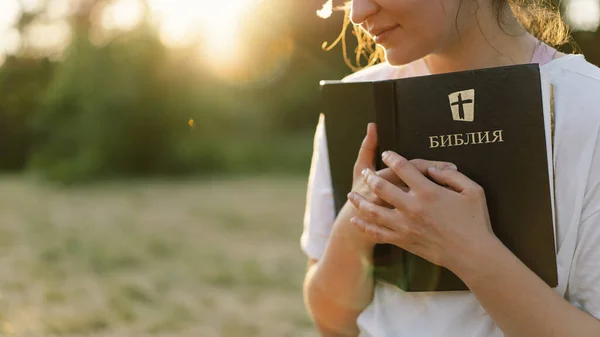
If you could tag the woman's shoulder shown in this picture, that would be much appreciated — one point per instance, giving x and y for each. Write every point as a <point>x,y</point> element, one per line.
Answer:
<point>577,87</point>
<point>575,70</point>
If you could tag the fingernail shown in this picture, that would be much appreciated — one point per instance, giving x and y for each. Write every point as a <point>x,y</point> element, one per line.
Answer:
<point>433,169</point>
<point>350,195</point>
<point>452,167</point>
<point>385,155</point>
<point>365,172</point>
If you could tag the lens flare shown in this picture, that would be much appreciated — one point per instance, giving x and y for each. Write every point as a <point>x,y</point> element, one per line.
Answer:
<point>583,15</point>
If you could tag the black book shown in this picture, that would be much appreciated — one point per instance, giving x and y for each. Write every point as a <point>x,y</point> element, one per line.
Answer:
<point>489,122</point>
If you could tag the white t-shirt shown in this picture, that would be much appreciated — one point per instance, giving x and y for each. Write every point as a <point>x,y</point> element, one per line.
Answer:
<point>576,160</point>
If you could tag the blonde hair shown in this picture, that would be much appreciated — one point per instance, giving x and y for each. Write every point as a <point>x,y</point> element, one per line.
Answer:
<point>540,18</point>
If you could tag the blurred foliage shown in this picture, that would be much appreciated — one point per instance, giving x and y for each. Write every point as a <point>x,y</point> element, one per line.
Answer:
<point>22,81</point>
<point>121,108</point>
<point>107,110</point>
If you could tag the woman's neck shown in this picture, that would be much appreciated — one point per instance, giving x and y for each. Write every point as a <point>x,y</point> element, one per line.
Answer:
<point>482,43</point>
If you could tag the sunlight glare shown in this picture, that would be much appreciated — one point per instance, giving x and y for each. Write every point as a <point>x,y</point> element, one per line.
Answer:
<point>59,9</point>
<point>175,33</point>
<point>31,5</point>
<point>221,25</point>
<point>214,23</point>
<point>10,42</point>
<point>49,36</point>
<point>176,21</point>
<point>583,15</point>
<point>10,11</point>
<point>123,15</point>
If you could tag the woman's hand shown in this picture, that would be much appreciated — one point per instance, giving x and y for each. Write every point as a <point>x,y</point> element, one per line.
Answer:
<point>366,161</point>
<point>442,223</point>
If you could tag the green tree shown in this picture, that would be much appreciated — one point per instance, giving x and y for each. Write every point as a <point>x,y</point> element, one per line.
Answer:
<point>108,111</point>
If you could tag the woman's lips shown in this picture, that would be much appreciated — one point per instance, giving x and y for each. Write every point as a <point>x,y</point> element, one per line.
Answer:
<point>384,35</point>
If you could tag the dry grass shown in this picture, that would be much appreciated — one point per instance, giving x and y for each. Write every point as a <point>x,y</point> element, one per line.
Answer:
<point>187,258</point>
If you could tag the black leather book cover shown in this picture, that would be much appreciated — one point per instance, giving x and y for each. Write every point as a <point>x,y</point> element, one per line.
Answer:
<point>489,122</point>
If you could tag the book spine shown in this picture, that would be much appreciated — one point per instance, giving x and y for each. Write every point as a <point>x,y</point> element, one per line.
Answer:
<point>389,260</point>
<point>396,118</point>
<point>385,117</point>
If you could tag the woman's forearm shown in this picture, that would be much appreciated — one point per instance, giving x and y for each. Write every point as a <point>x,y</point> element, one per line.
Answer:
<point>521,303</point>
<point>340,286</point>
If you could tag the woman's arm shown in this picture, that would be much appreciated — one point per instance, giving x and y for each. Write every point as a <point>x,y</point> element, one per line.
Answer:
<point>516,298</point>
<point>340,286</point>
<point>451,227</point>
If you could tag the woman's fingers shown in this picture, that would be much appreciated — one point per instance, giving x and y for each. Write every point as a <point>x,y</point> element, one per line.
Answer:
<point>372,212</point>
<point>390,176</point>
<point>420,164</point>
<point>388,192</point>
<point>378,233</point>
<point>453,179</point>
<point>385,190</point>
<point>406,170</point>
<point>368,150</point>
<point>423,165</point>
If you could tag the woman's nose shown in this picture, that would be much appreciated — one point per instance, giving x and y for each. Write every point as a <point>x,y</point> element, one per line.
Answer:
<point>362,9</point>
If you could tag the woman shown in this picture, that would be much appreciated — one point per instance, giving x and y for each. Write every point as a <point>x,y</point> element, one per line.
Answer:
<point>450,225</point>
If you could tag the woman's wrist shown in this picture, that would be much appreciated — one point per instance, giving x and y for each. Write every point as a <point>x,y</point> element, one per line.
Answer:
<point>472,262</point>
<point>349,234</point>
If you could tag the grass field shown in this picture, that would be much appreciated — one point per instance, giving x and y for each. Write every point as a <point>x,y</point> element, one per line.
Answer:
<point>154,258</point>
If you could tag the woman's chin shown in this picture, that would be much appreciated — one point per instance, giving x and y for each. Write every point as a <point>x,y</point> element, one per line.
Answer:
<point>398,56</point>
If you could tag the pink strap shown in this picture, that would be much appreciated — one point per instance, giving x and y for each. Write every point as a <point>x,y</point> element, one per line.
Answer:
<point>543,54</point>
